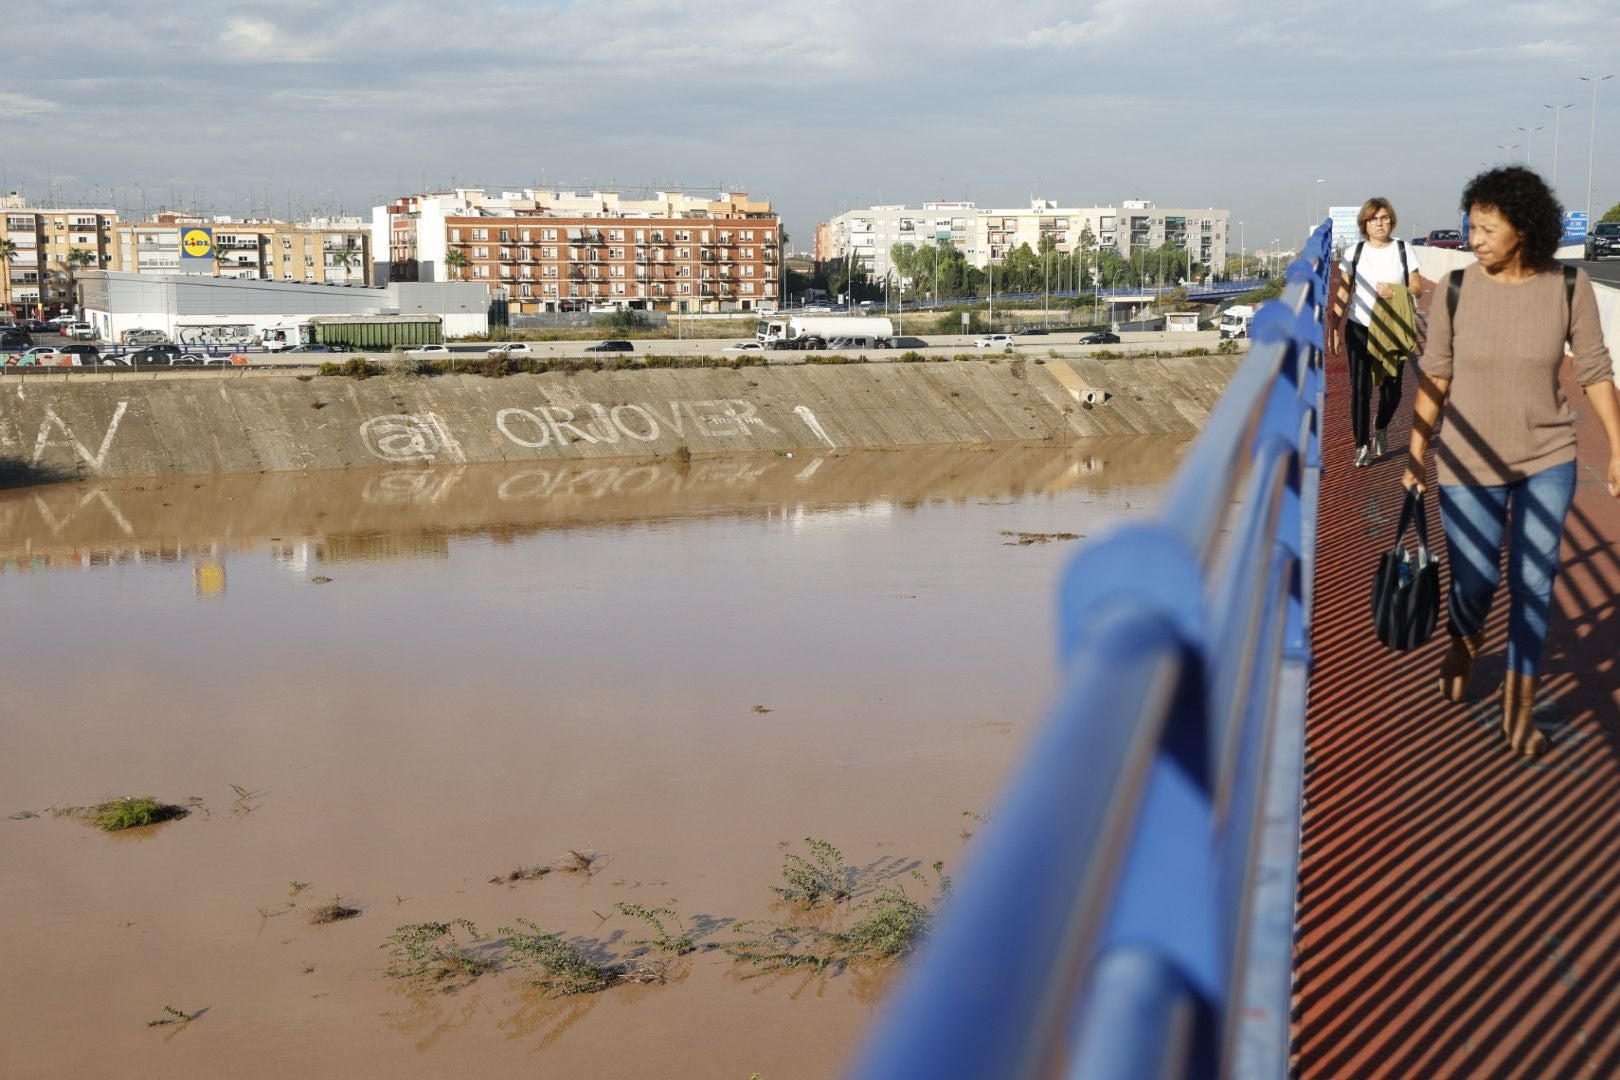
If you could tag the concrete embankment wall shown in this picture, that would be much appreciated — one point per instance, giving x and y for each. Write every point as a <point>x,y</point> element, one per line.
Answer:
<point>239,421</point>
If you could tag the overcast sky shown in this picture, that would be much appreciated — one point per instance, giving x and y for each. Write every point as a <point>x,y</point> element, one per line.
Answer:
<point>817,106</point>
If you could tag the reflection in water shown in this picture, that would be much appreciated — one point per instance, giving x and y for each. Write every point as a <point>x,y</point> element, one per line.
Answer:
<point>311,519</point>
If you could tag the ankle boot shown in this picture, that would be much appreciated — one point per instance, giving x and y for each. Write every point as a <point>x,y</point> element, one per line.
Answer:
<point>1458,664</point>
<point>1518,715</point>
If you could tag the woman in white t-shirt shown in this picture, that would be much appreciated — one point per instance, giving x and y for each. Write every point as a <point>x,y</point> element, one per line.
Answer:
<point>1376,264</point>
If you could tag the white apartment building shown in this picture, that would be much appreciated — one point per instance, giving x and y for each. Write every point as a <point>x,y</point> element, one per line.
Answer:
<point>865,237</point>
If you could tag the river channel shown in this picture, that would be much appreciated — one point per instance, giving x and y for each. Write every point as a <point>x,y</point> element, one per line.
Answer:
<point>642,682</point>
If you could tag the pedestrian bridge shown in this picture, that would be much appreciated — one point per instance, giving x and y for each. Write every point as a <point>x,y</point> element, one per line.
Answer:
<point>1248,840</point>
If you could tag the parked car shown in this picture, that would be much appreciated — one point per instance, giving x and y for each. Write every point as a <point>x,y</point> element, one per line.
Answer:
<point>156,354</point>
<point>144,337</point>
<point>36,326</point>
<point>88,354</point>
<point>744,346</point>
<point>15,339</point>
<point>1445,238</point>
<point>995,341</point>
<point>81,331</point>
<point>510,350</point>
<point>1101,337</point>
<point>1603,241</point>
<point>611,346</point>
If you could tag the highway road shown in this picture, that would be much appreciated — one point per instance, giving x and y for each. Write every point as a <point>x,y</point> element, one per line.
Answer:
<point>1607,271</point>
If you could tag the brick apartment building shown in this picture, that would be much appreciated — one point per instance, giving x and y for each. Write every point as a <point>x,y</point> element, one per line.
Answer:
<point>559,251</point>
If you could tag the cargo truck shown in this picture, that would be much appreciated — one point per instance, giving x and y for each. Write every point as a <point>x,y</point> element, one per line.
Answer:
<point>1235,321</point>
<point>359,333</point>
<point>814,331</point>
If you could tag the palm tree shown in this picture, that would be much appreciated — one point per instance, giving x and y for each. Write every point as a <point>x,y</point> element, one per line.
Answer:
<point>8,249</point>
<point>457,260</point>
<point>348,256</point>
<point>77,259</point>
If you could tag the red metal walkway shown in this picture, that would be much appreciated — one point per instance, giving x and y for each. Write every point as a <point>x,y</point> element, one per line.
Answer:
<point>1459,907</point>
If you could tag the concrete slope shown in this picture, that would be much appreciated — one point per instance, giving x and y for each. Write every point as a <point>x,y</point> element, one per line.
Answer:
<point>54,427</point>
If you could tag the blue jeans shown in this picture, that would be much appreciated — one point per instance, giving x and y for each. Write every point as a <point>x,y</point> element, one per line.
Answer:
<point>1475,519</point>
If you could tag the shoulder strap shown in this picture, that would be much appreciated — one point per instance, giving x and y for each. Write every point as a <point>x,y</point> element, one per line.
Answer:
<point>1355,260</point>
<point>1569,301</point>
<point>1406,275</point>
<point>1453,291</point>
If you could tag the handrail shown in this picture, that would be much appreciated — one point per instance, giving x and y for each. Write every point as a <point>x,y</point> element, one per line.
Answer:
<point>1128,911</point>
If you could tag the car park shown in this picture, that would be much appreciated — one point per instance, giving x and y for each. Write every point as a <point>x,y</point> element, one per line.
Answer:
<point>995,341</point>
<point>611,346</point>
<point>744,346</point>
<point>510,350</point>
<point>1603,241</point>
<point>1101,337</point>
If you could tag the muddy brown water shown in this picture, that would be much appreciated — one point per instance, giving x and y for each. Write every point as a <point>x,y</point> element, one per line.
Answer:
<point>682,671</point>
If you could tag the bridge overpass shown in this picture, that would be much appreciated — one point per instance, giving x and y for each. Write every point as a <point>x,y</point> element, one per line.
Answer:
<point>1251,842</point>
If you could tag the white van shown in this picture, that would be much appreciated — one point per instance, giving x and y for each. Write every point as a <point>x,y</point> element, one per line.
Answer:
<point>80,331</point>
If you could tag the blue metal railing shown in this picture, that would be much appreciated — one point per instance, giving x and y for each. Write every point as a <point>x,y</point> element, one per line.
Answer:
<point>1129,910</point>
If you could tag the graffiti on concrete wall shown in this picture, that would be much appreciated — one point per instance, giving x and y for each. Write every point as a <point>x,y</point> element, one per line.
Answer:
<point>225,337</point>
<point>54,431</point>
<point>592,422</point>
<point>404,437</point>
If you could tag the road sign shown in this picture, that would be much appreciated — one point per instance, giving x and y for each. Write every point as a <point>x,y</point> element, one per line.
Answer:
<point>1575,225</point>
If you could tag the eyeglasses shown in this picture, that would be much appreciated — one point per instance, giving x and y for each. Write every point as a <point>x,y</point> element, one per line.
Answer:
<point>1381,219</point>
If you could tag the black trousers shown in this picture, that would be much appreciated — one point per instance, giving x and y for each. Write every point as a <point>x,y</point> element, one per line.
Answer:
<point>1361,384</point>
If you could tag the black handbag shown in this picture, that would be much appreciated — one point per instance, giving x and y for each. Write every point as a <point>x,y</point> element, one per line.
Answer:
<point>1406,589</point>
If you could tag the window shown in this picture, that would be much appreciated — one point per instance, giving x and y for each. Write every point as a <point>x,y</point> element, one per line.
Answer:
<point>616,253</point>
<point>286,243</point>
<point>618,289</point>
<point>548,253</point>
<point>528,271</point>
<point>616,236</point>
<point>525,234</point>
<point>748,287</point>
<point>481,271</point>
<point>506,254</point>
<point>747,235</point>
<point>683,236</point>
<point>658,236</point>
<point>455,236</point>
<point>641,236</point>
<point>616,271</point>
<point>548,234</point>
<point>506,237</point>
<point>748,253</point>
<point>683,253</point>
<point>548,271</point>
<point>526,290</point>
<point>684,289</point>
<point>480,234</point>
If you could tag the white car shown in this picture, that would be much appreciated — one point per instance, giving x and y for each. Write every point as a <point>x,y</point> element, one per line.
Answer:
<point>429,350</point>
<point>80,331</point>
<point>995,341</point>
<point>744,346</point>
<point>510,349</point>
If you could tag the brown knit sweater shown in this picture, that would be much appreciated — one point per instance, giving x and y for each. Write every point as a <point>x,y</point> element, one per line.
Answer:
<point>1505,417</point>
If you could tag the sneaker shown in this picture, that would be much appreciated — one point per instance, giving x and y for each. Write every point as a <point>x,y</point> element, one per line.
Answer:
<point>1380,443</point>
<point>1364,457</point>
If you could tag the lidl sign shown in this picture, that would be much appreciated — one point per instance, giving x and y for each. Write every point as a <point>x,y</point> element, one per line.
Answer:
<point>196,243</point>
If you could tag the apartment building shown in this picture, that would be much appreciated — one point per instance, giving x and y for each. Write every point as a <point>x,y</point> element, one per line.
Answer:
<point>562,251</point>
<point>320,251</point>
<point>45,249</point>
<point>864,238</point>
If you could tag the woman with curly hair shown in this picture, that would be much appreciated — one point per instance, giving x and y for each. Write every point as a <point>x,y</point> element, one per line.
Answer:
<point>1505,460</point>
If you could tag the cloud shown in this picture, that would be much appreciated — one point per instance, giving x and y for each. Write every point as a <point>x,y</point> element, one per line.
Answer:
<point>20,105</point>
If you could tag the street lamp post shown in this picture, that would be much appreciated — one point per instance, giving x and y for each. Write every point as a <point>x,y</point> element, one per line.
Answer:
<point>1529,140</point>
<point>1507,151</point>
<point>1314,189</point>
<point>1558,113</point>
<point>1243,248</point>
<point>1591,139</point>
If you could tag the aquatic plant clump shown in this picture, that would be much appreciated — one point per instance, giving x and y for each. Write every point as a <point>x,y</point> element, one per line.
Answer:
<point>132,812</point>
